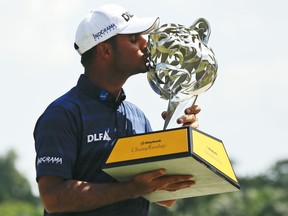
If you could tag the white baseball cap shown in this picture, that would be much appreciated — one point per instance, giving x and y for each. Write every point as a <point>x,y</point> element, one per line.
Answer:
<point>108,21</point>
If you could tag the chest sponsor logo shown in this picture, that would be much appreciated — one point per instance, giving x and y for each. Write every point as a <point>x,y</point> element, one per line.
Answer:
<point>98,137</point>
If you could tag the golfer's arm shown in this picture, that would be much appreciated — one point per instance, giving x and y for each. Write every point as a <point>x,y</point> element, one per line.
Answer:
<point>59,195</point>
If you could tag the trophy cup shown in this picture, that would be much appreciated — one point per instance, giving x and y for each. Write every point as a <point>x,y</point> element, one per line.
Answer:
<point>182,66</point>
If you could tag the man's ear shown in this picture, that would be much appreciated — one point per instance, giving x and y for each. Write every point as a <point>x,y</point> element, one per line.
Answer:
<point>104,50</point>
<point>203,28</point>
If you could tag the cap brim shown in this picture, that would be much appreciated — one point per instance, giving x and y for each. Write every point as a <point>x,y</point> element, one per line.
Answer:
<point>141,25</point>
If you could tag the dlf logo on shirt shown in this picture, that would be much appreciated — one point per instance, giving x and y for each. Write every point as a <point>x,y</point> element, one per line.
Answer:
<point>98,137</point>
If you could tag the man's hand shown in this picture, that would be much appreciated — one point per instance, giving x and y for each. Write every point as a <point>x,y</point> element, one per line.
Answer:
<point>189,119</point>
<point>148,182</point>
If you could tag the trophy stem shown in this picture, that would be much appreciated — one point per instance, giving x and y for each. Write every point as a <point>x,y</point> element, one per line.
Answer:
<point>175,110</point>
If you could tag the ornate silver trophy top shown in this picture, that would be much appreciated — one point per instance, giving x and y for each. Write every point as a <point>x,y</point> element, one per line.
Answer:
<point>181,63</point>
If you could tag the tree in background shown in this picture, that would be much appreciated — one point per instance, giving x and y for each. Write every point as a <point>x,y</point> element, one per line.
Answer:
<point>16,198</point>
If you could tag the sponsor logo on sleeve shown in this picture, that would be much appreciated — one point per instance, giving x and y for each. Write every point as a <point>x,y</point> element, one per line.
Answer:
<point>49,160</point>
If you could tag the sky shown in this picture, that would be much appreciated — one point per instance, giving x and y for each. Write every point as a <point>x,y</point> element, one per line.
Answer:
<point>246,107</point>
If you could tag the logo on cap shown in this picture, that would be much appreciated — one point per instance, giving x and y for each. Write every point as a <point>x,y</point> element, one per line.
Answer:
<point>104,31</point>
<point>127,16</point>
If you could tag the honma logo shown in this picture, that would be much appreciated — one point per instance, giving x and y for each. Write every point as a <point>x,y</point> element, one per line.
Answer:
<point>98,137</point>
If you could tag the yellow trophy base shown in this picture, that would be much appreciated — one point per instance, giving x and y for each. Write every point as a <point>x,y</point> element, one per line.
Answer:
<point>180,151</point>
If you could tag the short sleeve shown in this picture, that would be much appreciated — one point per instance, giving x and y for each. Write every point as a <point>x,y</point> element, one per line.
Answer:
<point>55,138</point>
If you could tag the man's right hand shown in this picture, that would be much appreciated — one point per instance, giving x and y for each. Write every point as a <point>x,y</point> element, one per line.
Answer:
<point>148,182</point>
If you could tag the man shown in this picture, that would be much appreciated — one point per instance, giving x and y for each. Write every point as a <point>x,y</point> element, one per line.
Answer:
<point>76,133</point>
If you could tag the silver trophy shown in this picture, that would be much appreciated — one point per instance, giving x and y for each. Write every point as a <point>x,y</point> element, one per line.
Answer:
<point>182,66</point>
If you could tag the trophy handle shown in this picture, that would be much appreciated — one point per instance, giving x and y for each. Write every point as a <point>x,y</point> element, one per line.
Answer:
<point>176,109</point>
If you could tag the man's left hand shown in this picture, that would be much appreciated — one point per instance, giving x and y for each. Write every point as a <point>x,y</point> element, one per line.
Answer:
<point>189,119</point>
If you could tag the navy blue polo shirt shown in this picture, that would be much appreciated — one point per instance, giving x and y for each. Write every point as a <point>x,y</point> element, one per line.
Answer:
<point>76,133</point>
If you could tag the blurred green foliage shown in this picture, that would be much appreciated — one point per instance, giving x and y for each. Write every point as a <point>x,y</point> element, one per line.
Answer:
<point>16,198</point>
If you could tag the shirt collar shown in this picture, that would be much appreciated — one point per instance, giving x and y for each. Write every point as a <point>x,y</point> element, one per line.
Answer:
<point>99,94</point>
